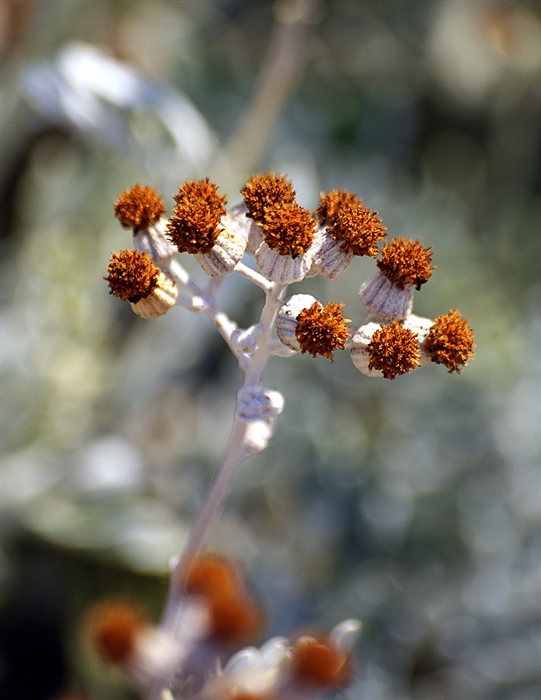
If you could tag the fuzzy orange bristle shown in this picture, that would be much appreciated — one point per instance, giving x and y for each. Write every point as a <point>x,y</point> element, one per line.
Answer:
<point>264,192</point>
<point>450,341</point>
<point>114,625</point>
<point>132,275</point>
<point>406,262</point>
<point>289,229</point>
<point>235,620</point>
<point>357,228</point>
<point>331,203</point>
<point>318,664</point>
<point>195,223</point>
<point>321,330</point>
<point>212,576</point>
<point>139,207</point>
<point>393,350</point>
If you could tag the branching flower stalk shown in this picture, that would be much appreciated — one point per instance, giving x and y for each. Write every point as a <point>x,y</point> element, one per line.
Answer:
<point>208,613</point>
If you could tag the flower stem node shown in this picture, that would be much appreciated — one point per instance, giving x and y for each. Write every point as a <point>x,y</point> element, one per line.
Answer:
<point>255,403</point>
<point>380,350</point>
<point>258,434</point>
<point>245,339</point>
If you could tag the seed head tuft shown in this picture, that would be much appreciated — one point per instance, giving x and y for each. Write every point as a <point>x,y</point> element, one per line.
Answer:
<point>264,192</point>
<point>139,207</point>
<point>132,275</point>
<point>195,223</point>
<point>114,626</point>
<point>331,203</point>
<point>450,341</point>
<point>235,619</point>
<point>393,350</point>
<point>406,262</point>
<point>211,575</point>
<point>289,229</point>
<point>357,228</point>
<point>317,663</point>
<point>321,330</point>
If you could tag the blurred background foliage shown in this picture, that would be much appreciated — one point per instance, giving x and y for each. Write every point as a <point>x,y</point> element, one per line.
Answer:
<point>414,505</point>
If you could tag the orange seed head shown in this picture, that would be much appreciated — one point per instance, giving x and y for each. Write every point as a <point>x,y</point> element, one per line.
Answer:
<point>114,626</point>
<point>289,229</point>
<point>316,663</point>
<point>406,262</point>
<point>331,203</point>
<point>321,330</point>
<point>212,576</point>
<point>450,341</point>
<point>139,207</point>
<point>195,223</point>
<point>357,228</point>
<point>235,619</point>
<point>132,275</point>
<point>393,350</point>
<point>264,192</point>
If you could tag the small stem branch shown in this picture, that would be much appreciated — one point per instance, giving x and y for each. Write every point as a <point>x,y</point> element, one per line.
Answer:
<point>255,277</point>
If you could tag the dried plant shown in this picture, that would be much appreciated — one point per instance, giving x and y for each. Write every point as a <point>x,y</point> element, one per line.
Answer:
<point>210,614</point>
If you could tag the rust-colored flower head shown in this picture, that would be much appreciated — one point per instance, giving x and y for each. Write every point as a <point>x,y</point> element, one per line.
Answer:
<point>195,223</point>
<point>322,330</point>
<point>450,341</point>
<point>393,350</point>
<point>357,229</point>
<point>114,626</point>
<point>289,229</point>
<point>264,192</point>
<point>235,620</point>
<point>317,663</point>
<point>131,275</point>
<point>331,203</point>
<point>139,207</point>
<point>211,575</point>
<point>406,262</point>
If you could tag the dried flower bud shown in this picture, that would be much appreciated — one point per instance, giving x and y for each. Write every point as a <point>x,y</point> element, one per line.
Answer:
<point>380,350</point>
<point>317,663</point>
<point>234,619</point>
<point>264,192</point>
<point>134,277</point>
<point>393,350</point>
<point>357,229</point>
<point>331,203</point>
<point>195,223</point>
<point>114,627</point>
<point>211,575</point>
<point>289,229</point>
<point>406,262</point>
<point>139,207</point>
<point>322,330</point>
<point>254,403</point>
<point>450,341</point>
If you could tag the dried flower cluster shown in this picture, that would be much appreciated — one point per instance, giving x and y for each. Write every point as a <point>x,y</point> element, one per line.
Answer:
<point>210,611</point>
